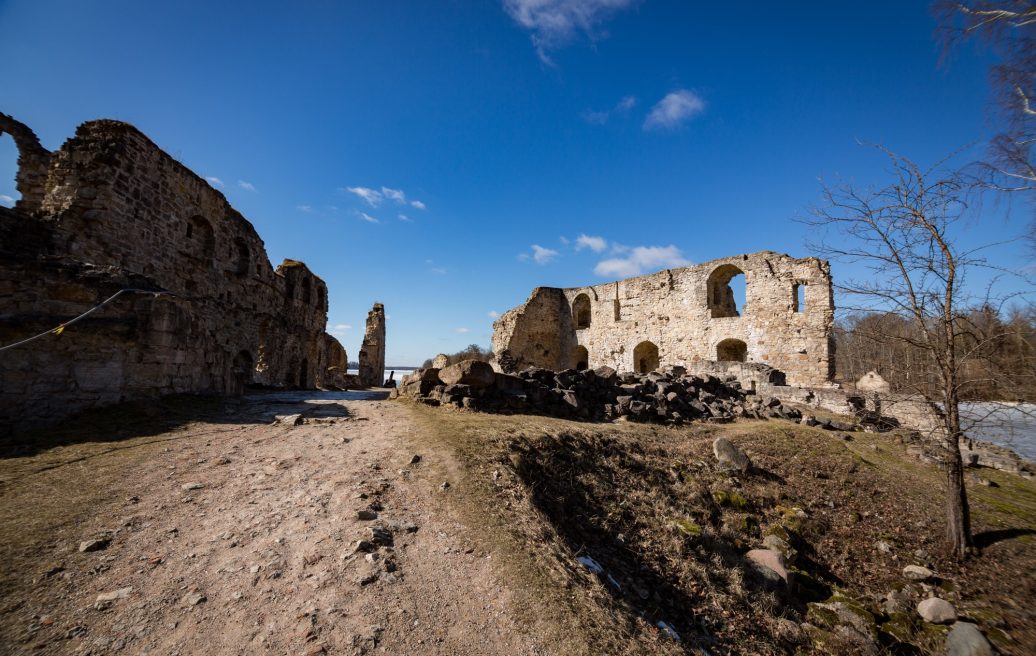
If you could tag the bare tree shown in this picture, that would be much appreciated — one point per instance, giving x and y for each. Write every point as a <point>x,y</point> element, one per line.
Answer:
<point>1008,28</point>
<point>903,234</point>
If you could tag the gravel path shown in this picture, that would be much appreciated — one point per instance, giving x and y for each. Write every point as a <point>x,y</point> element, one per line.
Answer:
<point>297,524</point>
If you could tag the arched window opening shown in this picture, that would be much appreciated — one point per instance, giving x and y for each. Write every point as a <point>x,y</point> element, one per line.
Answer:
<point>798,297</point>
<point>199,238</point>
<point>580,358</point>
<point>723,296</point>
<point>645,358</point>
<point>581,311</point>
<point>306,291</point>
<point>242,257</point>
<point>9,194</point>
<point>732,350</point>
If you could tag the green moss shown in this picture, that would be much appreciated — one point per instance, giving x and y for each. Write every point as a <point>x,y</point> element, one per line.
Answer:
<point>821,615</point>
<point>748,524</point>
<point>1000,640</point>
<point>731,499</point>
<point>899,626</point>
<point>720,497</point>
<point>687,527</point>
<point>779,531</point>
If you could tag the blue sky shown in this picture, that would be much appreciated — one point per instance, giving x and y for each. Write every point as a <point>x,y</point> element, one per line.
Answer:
<point>445,157</point>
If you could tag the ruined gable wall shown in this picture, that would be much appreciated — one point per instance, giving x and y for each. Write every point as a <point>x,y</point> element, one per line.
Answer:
<point>116,204</point>
<point>538,333</point>
<point>672,310</point>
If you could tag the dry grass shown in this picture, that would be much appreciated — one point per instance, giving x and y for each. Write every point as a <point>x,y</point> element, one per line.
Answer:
<point>633,497</point>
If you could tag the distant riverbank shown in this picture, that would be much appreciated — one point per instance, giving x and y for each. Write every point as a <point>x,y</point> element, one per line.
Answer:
<point>1008,425</point>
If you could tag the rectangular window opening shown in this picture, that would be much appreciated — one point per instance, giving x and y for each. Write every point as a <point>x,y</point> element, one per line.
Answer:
<point>798,297</point>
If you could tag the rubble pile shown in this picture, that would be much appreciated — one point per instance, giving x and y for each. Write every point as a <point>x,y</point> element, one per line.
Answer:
<point>669,396</point>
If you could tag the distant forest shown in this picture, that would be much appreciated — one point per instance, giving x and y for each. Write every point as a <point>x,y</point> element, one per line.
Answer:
<point>472,352</point>
<point>996,353</point>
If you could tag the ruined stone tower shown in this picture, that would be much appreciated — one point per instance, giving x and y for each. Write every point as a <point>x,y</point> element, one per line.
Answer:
<point>372,351</point>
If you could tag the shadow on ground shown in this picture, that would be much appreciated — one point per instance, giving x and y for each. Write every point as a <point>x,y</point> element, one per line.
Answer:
<point>146,418</point>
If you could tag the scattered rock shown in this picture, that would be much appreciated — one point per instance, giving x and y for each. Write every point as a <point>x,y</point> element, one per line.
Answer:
<point>936,611</point>
<point>474,373</point>
<point>94,545</point>
<point>187,487</point>
<point>964,639</point>
<point>729,456</point>
<point>917,573</point>
<point>366,515</point>
<point>194,598</point>
<point>445,486</point>
<point>121,593</point>
<point>416,459</point>
<point>769,563</point>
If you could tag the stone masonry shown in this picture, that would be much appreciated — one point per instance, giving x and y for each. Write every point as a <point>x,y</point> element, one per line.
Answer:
<point>108,211</point>
<point>372,351</point>
<point>684,317</point>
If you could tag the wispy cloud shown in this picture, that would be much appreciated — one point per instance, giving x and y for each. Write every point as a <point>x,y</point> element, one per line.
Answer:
<point>554,23</point>
<point>493,314</point>
<point>596,244</point>
<point>247,186</point>
<point>6,201</point>
<point>214,181</point>
<point>542,255</point>
<point>394,194</point>
<point>674,110</point>
<point>404,217</point>
<point>462,331</point>
<point>601,117</point>
<point>440,271</point>
<point>308,209</point>
<point>640,259</point>
<point>367,217</point>
<point>340,329</point>
<point>419,205</point>
<point>370,196</point>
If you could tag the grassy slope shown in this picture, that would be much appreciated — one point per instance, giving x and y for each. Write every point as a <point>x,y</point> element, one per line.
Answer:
<point>642,501</point>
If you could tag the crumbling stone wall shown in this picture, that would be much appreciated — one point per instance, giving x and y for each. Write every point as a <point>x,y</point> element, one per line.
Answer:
<point>372,350</point>
<point>115,212</point>
<point>684,317</point>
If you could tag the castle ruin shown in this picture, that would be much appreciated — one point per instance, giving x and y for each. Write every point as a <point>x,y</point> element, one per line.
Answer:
<point>372,350</point>
<point>111,211</point>
<point>686,316</point>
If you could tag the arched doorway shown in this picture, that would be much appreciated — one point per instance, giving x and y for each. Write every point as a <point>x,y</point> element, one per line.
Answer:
<point>581,311</point>
<point>241,372</point>
<point>722,294</point>
<point>645,358</point>
<point>580,358</point>
<point>732,350</point>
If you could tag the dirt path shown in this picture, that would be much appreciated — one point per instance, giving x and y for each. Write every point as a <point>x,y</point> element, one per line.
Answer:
<point>240,536</point>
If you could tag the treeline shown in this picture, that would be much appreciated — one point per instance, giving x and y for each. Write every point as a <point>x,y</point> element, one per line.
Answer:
<point>472,352</point>
<point>996,353</point>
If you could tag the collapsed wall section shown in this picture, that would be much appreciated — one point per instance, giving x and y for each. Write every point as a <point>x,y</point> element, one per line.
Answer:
<point>683,317</point>
<point>372,350</point>
<point>115,212</point>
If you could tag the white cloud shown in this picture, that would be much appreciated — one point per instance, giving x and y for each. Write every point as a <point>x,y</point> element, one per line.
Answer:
<point>418,204</point>
<point>214,181</point>
<point>601,117</point>
<point>543,255</point>
<point>6,201</point>
<point>404,217</point>
<point>462,330</point>
<point>438,270</point>
<point>554,23</point>
<point>340,329</point>
<point>372,197</point>
<point>674,110</point>
<point>641,259</point>
<point>304,208</point>
<point>332,208</point>
<point>522,257</point>
<point>247,186</point>
<point>394,194</point>
<point>596,244</point>
<point>493,314</point>
<point>564,240</point>
<point>367,217</point>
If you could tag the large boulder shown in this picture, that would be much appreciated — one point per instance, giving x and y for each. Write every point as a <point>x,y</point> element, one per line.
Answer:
<point>964,639</point>
<point>441,361</point>
<point>729,457</point>
<point>476,373</point>
<point>420,383</point>
<point>937,611</point>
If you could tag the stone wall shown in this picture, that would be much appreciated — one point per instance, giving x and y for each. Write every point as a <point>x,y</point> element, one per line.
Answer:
<point>684,317</point>
<point>115,212</point>
<point>372,350</point>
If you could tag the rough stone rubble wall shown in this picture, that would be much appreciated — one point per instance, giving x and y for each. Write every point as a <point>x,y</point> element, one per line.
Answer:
<point>673,310</point>
<point>115,212</point>
<point>372,350</point>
